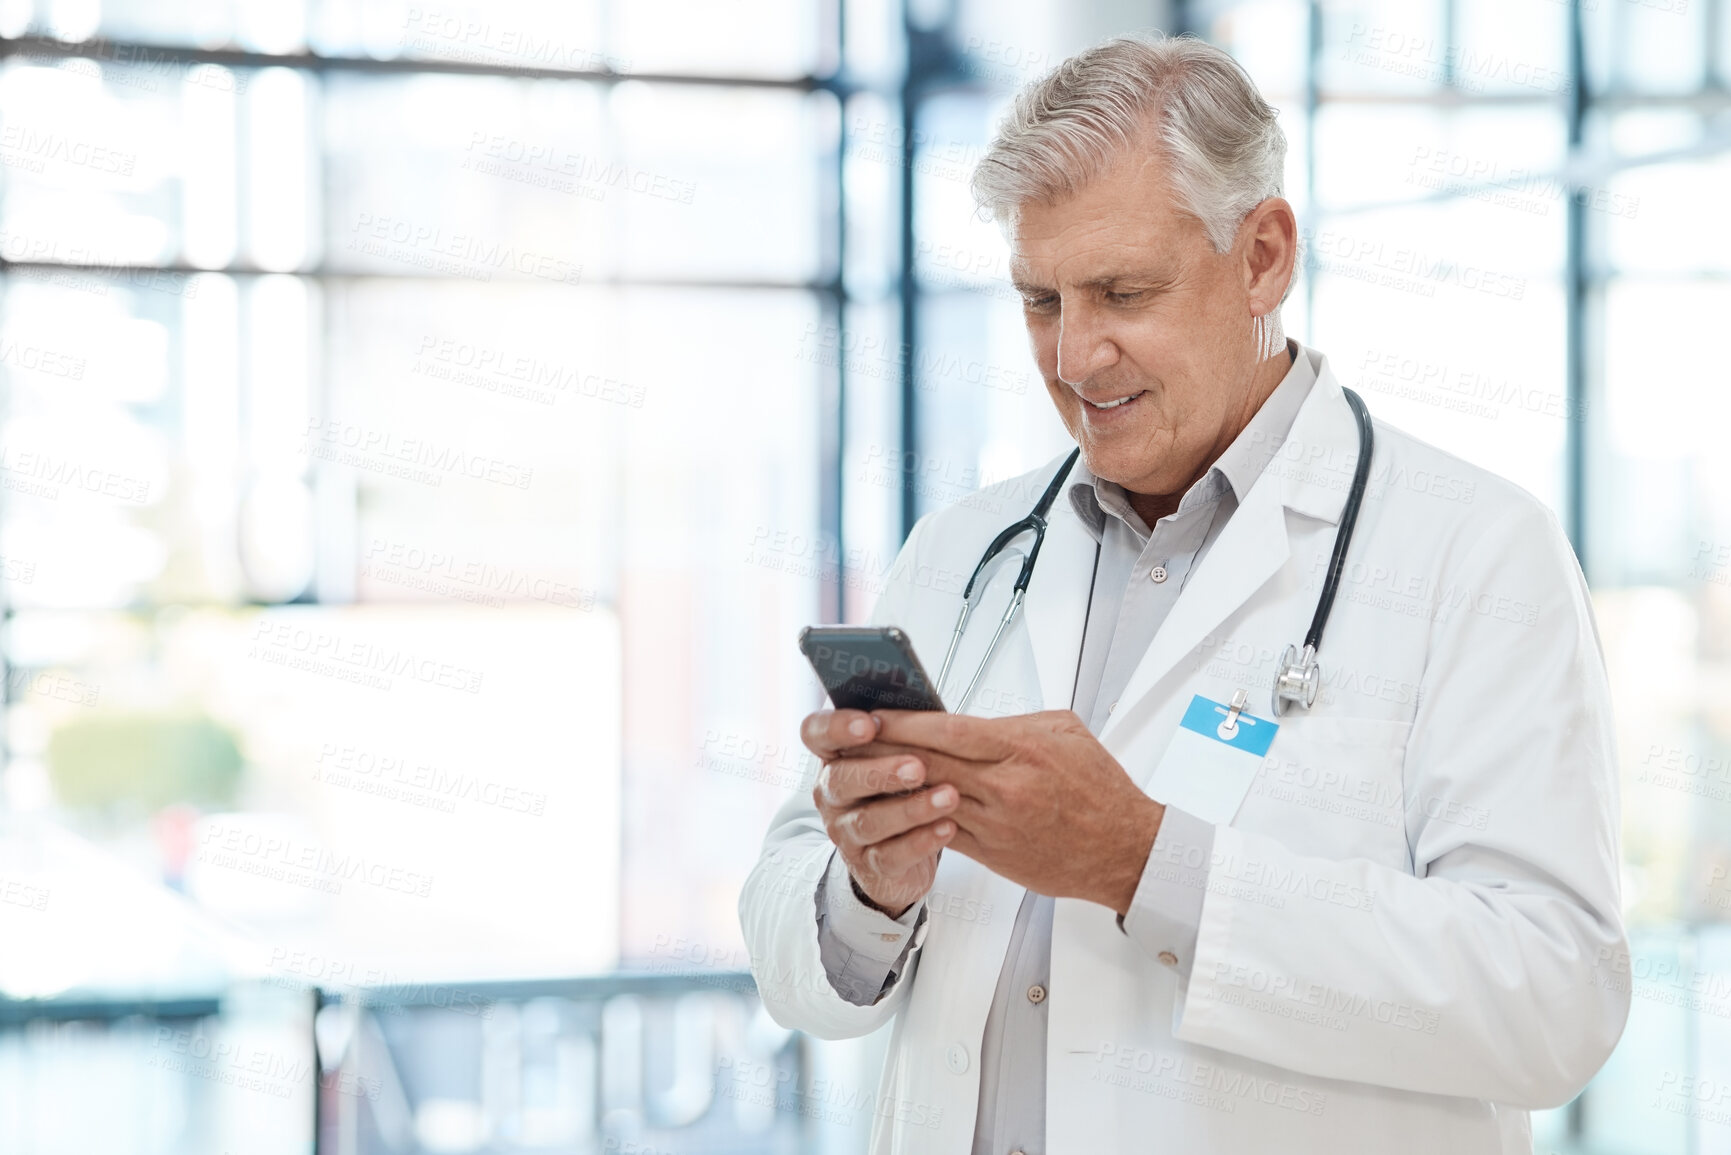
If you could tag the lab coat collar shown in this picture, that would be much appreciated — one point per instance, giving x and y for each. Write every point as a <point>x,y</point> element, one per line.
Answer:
<point>1310,474</point>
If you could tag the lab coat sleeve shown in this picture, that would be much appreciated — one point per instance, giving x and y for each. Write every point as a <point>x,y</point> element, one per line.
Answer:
<point>1497,968</point>
<point>862,949</point>
<point>1165,913</point>
<point>778,910</point>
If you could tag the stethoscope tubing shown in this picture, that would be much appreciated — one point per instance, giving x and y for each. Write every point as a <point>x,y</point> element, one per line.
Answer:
<point>1036,522</point>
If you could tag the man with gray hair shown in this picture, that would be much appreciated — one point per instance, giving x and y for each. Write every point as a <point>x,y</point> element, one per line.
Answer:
<point>1377,910</point>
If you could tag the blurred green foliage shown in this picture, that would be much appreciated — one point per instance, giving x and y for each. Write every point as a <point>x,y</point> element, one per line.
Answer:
<point>151,760</point>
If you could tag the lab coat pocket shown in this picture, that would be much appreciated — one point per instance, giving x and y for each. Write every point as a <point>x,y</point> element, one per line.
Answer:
<point>1332,786</point>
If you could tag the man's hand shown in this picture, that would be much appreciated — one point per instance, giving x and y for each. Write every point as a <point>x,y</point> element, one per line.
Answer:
<point>888,828</point>
<point>1042,801</point>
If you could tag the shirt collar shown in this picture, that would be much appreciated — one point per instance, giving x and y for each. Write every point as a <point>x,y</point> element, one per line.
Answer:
<point>1237,469</point>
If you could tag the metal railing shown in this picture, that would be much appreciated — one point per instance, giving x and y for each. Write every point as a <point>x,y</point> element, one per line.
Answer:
<point>629,1063</point>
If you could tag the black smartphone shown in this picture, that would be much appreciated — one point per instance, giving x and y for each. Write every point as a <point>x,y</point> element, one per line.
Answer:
<point>868,668</point>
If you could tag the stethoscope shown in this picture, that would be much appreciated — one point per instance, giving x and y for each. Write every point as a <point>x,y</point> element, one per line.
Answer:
<point>1300,676</point>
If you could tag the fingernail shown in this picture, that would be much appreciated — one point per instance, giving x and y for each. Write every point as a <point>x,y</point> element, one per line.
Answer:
<point>909,772</point>
<point>860,728</point>
<point>943,796</point>
<point>945,829</point>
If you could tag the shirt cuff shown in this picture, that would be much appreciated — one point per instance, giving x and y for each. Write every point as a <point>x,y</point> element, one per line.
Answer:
<point>863,950</point>
<point>1166,912</point>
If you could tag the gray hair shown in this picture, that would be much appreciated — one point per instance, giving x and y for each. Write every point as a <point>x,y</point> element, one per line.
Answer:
<point>1224,151</point>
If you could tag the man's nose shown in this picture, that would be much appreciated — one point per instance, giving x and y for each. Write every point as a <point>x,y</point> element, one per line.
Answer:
<point>1084,348</point>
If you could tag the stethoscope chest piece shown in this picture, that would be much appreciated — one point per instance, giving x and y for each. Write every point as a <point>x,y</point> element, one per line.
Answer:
<point>1298,681</point>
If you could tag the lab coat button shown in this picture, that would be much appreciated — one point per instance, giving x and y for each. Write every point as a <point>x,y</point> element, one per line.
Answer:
<point>1168,958</point>
<point>1036,994</point>
<point>956,1059</point>
<point>1157,574</point>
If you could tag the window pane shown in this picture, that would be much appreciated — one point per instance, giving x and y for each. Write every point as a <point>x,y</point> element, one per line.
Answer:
<point>1454,337</point>
<point>1384,46</point>
<point>569,182</point>
<point>756,38</point>
<point>92,155</point>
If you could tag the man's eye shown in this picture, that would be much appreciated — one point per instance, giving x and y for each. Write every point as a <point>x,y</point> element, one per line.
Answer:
<point>1038,303</point>
<point>1126,297</point>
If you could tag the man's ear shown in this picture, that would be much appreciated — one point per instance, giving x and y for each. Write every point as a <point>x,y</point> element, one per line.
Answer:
<point>1269,239</point>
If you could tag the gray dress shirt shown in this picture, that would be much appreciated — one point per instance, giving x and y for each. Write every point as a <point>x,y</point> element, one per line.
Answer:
<point>1139,574</point>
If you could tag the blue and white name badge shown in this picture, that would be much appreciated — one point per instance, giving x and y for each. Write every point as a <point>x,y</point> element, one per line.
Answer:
<point>1212,759</point>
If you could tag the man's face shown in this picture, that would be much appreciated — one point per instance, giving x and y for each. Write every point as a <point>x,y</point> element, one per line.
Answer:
<point>1125,297</point>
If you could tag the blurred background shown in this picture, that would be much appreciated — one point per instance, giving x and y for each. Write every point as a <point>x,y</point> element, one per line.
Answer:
<point>426,428</point>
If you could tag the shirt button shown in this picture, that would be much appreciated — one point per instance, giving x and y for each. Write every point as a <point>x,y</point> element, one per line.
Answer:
<point>1112,707</point>
<point>1036,994</point>
<point>1157,574</point>
<point>956,1059</point>
<point>1168,958</point>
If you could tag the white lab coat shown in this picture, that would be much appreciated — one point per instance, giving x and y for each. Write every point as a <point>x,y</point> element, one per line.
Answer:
<point>1411,931</point>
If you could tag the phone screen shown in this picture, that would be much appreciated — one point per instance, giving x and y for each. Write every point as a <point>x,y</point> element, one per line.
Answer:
<point>868,668</point>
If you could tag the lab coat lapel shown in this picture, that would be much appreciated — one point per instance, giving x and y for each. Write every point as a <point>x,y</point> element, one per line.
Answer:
<point>1057,602</point>
<point>1305,476</point>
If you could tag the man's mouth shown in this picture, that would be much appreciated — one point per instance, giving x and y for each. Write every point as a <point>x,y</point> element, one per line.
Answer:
<point>1114,403</point>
